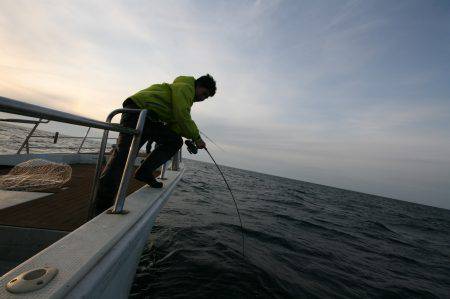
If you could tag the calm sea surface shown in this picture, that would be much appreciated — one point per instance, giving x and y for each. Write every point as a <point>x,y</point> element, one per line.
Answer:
<point>302,240</point>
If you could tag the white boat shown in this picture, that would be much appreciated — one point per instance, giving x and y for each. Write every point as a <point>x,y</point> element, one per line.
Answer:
<point>50,255</point>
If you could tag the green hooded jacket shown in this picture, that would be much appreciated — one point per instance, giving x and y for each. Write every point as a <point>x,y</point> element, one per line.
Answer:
<point>172,103</point>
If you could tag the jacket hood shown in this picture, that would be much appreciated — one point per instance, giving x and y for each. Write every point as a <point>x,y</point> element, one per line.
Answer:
<point>185,79</point>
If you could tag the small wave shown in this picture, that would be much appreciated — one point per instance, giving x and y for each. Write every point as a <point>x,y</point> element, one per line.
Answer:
<point>379,225</point>
<point>167,256</point>
<point>289,203</point>
<point>402,258</point>
<point>405,292</point>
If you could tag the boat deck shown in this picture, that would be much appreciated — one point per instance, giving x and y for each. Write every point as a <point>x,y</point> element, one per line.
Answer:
<point>65,209</point>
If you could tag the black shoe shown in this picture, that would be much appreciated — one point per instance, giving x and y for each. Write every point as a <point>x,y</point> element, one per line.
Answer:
<point>151,181</point>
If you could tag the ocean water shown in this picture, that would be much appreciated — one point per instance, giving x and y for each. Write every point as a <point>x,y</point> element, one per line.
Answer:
<point>302,240</point>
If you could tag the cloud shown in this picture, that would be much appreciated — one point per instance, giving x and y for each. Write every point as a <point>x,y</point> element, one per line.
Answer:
<point>348,94</point>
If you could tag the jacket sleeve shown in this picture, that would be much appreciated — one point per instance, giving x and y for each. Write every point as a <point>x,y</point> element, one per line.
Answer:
<point>182,95</point>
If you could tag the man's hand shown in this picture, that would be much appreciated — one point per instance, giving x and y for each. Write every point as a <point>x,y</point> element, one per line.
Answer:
<point>200,144</point>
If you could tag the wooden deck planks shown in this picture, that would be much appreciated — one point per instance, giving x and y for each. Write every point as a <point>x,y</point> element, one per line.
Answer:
<point>66,209</point>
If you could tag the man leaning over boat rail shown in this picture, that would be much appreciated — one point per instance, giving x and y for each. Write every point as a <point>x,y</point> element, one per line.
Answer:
<point>169,119</point>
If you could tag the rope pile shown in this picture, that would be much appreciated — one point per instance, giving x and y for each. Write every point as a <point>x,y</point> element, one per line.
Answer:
<point>36,175</point>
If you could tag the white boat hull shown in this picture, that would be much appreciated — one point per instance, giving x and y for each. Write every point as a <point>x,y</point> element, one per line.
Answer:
<point>99,259</point>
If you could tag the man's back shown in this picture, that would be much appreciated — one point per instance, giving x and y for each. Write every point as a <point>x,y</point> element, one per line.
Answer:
<point>172,104</point>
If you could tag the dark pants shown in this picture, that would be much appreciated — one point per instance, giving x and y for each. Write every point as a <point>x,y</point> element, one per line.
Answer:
<point>168,143</point>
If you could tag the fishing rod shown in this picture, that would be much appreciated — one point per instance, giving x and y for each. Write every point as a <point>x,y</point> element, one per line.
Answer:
<point>192,149</point>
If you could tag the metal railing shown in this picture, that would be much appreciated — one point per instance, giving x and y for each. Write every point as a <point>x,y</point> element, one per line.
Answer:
<point>26,143</point>
<point>132,154</point>
<point>45,115</point>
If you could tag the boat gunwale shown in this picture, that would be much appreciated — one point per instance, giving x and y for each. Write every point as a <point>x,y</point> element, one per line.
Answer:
<point>104,231</point>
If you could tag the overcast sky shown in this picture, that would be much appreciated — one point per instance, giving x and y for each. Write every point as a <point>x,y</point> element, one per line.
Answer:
<point>352,94</point>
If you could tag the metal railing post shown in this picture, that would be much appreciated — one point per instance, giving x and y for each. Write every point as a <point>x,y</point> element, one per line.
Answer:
<point>101,155</point>
<point>98,168</point>
<point>25,142</point>
<point>132,154</point>
<point>162,176</point>
<point>84,139</point>
<point>176,161</point>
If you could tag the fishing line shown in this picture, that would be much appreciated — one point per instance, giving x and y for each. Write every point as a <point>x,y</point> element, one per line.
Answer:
<point>232,196</point>
<point>212,141</point>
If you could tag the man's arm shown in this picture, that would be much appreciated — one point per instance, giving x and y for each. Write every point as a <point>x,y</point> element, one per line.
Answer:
<point>181,109</point>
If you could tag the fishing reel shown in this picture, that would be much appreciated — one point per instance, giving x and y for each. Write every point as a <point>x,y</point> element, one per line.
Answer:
<point>191,147</point>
